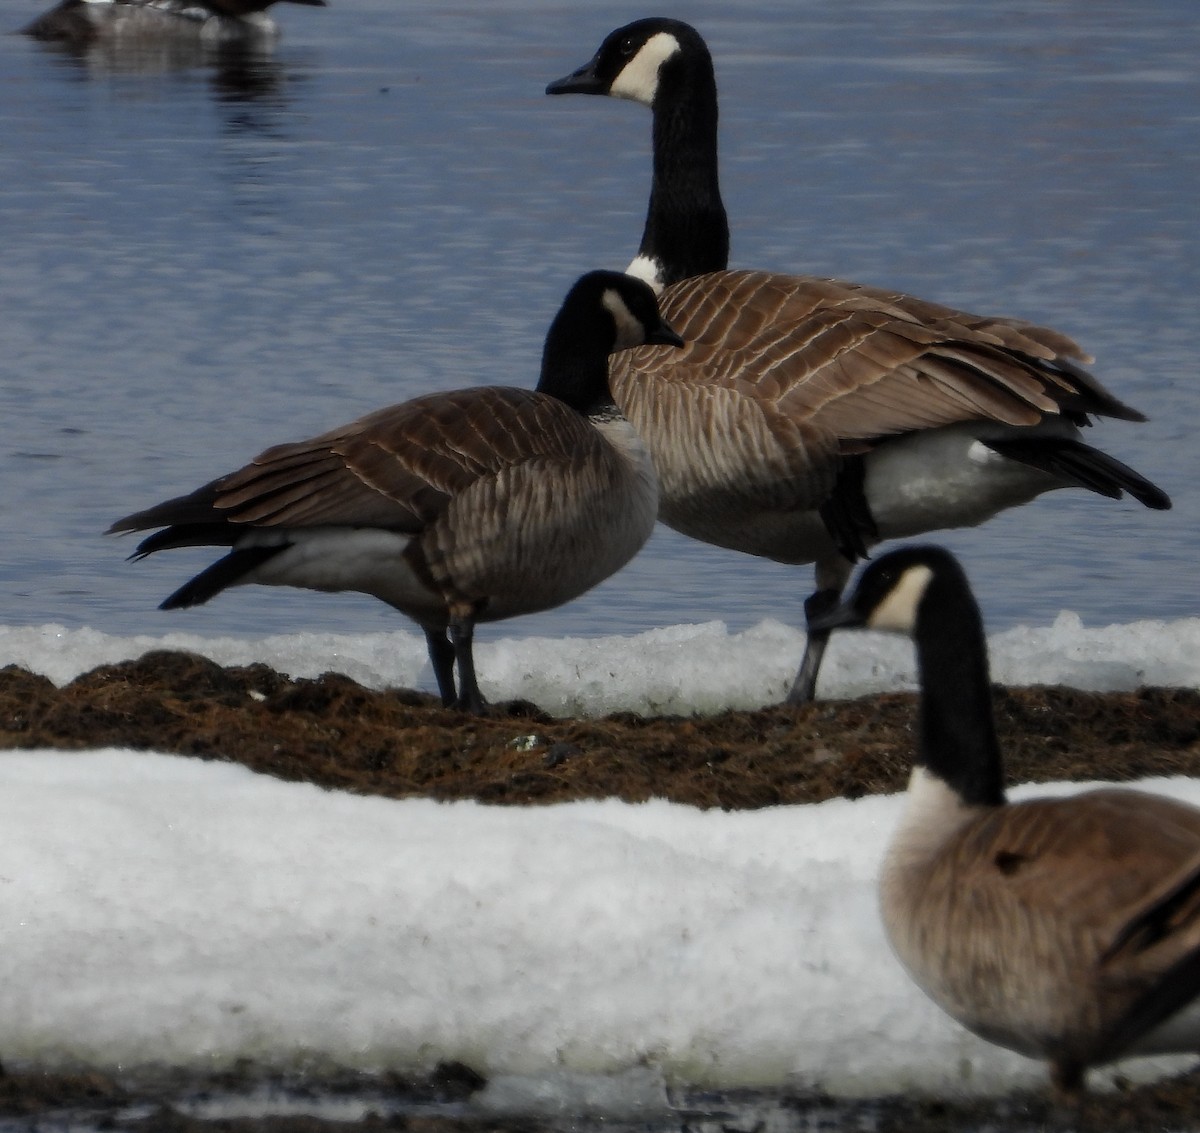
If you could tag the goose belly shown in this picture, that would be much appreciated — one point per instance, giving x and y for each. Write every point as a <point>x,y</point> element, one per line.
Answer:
<point>786,536</point>
<point>525,575</point>
<point>968,974</point>
<point>364,560</point>
<point>942,478</point>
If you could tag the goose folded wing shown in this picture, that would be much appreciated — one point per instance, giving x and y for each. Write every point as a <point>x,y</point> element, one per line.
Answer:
<point>1104,858</point>
<point>861,363</point>
<point>396,469</point>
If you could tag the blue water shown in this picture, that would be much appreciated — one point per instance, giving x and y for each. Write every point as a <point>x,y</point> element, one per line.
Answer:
<point>201,258</point>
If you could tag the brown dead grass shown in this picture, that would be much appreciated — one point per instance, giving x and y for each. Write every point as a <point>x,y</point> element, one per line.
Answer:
<point>333,732</point>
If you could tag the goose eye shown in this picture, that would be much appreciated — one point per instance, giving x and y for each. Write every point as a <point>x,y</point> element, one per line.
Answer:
<point>626,46</point>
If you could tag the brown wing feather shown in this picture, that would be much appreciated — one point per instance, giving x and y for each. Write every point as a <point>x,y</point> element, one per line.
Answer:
<point>1012,925</point>
<point>1106,853</point>
<point>858,363</point>
<point>397,468</point>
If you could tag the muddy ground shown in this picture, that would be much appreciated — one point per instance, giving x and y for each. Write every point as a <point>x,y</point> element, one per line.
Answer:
<point>398,743</point>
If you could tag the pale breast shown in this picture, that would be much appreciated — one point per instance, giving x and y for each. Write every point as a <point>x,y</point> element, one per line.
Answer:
<point>544,530</point>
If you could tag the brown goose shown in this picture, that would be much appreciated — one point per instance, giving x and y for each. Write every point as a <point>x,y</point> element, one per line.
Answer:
<point>1067,929</point>
<point>82,22</point>
<point>454,508</point>
<point>807,419</point>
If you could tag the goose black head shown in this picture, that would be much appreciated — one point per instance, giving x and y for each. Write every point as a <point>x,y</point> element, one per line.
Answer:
<point>891,591</point>
<point>638,60</point>
<point>633,317</point>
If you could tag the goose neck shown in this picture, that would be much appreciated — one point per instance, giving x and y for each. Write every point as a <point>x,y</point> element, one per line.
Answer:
<point>957,740</point>
<point>687,229</point>
<point>575,370</point>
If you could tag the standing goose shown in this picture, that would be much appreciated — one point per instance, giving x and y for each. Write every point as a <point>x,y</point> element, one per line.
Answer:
<point>808,419</point>
<point>1067,929</point>
<point>454,508</point>
<point>83,22</point>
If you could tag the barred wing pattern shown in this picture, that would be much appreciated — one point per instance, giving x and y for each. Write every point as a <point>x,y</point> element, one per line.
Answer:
<point>396,468</point>
<point>798,371</point>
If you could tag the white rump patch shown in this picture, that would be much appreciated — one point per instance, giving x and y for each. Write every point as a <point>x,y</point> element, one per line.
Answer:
<point>898,610</point>
<point>981,454</point>
<point>638,79</point>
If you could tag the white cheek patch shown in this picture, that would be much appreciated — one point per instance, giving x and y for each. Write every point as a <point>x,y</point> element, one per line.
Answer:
<point>630,331</point>
<point>638,79</point>
<point>898,611</point>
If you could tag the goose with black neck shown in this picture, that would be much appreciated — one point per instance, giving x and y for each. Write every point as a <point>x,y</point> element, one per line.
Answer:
<point>1066,929</point>
<point>809,419</point>
<point>453,508</point>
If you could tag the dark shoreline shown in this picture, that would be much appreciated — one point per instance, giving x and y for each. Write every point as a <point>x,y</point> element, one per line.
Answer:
<point>246,1099</point>
<point>337,734</point>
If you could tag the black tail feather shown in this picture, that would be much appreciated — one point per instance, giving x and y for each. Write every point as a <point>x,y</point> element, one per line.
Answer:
<point>1175,988</point>
<point>224,572</point>
<point>1076,463</point>
<point>187,535</point>
<point>198,507</point>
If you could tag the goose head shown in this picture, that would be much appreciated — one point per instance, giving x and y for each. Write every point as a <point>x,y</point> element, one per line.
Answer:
<point>901,592</point>
<point>665,65</point>
<point>639,61</point>
<point>923,592</point>
<point>615,307</point>
<point>605,311</point>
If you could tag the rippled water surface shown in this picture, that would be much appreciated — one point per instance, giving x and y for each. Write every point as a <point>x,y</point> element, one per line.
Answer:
<point>203,257</point>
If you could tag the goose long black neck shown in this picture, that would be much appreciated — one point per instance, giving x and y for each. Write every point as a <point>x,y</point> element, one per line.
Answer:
<point>687,230</point>
<point>575,359</point>
<point>957,726</point>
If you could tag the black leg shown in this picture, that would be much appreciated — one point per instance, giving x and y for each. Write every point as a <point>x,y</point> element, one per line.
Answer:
<point>462,637</point>
<point>1068,1080</point>
<point>441,656</point>
<point>804,687</point>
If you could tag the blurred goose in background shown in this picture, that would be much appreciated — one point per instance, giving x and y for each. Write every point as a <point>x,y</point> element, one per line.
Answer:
<point>454,508</point>
<point>1067,929</point>
<point>808,419</point>
<point>83,22</point>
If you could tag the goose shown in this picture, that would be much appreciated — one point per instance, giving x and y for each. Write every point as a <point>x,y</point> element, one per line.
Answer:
<point>82,22</point>
<point>454,508</point>
<point>808,419</point>
<point>1067,929</point>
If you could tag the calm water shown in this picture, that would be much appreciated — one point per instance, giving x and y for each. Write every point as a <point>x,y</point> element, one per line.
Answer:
<point>203,258</point>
